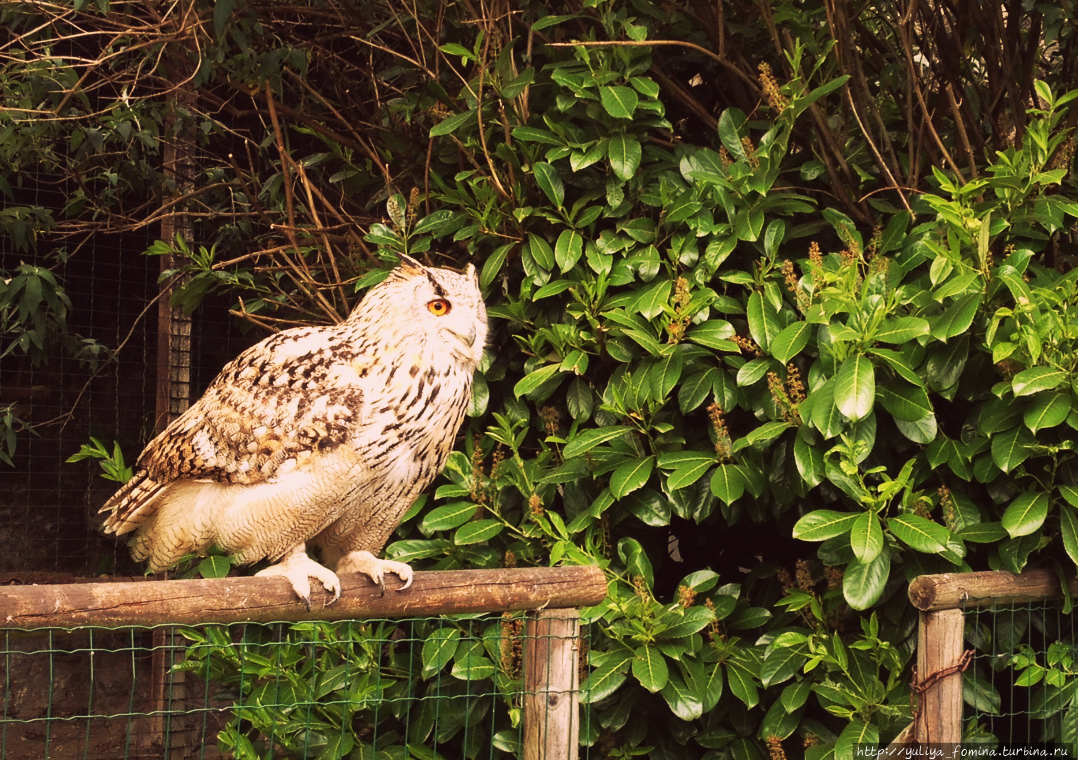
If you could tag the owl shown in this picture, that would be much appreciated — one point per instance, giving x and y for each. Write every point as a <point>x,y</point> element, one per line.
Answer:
<point>316,437</point>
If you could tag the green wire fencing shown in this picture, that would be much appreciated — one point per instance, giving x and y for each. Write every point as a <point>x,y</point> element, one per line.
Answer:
<point>1021,683</point>
<point>997,662</point>
<point>479,664</point>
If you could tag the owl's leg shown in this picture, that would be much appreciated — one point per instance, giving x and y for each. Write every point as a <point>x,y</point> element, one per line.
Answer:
<point>375,569</point>
<point>298,568</point>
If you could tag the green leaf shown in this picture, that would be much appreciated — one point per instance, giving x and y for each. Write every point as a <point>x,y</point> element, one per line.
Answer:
<point>791,341</point>
<point>765,433</point>
<point>899,364</point>
<point>823,524</point>
<point>619,102</point>
<point>222,11</point>
<point>800,104</point>
<point>714,334</point>
<point>605,679</point>
<point>919,534</point>
<point>727,483</point>
<point>1068,530</point>
<point>1011,448</point>
<point>578,398</point>
<point>687,469</point>
<point>980,694</point>
<point>695,389</point>
<point>649,507</point>
<point>866,538</point>
<point>956,318</point>
<point>477,532</point>
<point>540,251</point>
<point>690,621</point>
<point>863,584</point>
<point>550,182</point>
<point>1036,379</point>
<point>1047,411</point>
<point>439,648</point>
<point>901,330</point>
<point>855,387</point>
<point>748,223</point>
<point>857,733</point>
<point>473,667</point>
<point>983,533</point>
<point>808,458</point>
<point>683,701</point>
<point>742,682</point>
<point>447,517</point>
<point>532,134</point>
<point>753,371</point>
<point>651,302</point>
<point>568,249</point>
<point>904,401</point>
<point>649,667</point>
<point>919,431</point>
<point>824,412</point>
<point>631,475</point>
<point>1026,514</point>
<point>624,153</point>
<point>636,560</point>
<point>589,439</point>
<point>215,566</point>
<point>533,380</point>
<point>780,664</point>
<point>453,123</point>
<point>763,320</point>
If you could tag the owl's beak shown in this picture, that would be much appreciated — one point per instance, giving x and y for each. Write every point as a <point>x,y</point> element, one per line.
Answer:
<point>467,338</point>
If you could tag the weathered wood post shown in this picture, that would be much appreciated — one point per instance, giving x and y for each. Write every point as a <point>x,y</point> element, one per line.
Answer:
<point>552,685</point>
<point>939,651</point>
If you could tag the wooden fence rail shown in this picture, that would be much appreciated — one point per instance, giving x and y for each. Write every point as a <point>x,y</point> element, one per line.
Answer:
<point>551,646</point>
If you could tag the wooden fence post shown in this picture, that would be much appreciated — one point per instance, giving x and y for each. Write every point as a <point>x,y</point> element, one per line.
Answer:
<point>552,685</point>
<point>939,648</point>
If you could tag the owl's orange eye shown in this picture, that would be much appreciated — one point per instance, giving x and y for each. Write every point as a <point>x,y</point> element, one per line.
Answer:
<point>439,307</point>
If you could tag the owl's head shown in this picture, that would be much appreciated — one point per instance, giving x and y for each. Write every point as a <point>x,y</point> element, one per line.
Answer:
<point>440,307</point>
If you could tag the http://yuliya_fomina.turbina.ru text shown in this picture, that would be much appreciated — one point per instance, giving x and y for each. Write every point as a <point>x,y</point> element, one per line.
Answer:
<point>316,437</point>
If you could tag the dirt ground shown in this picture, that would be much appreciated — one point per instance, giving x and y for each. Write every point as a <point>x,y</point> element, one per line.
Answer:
<point>66,696</point>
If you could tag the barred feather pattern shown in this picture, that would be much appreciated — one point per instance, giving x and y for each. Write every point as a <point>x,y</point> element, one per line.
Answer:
<point>317,435</point>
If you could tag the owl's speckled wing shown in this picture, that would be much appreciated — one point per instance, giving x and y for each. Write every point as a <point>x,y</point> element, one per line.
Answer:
<point>267,412</point>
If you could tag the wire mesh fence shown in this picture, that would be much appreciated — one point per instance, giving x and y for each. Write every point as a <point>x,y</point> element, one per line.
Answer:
<point>1022,679</point>
<point>425,687</point>
<point>93,376</point>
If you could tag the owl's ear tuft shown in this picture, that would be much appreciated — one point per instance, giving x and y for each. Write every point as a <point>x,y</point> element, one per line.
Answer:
<point>408,263</point>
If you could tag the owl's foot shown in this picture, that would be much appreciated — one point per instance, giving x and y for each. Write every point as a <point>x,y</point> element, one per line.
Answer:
<point>298,568</point>
<point>375,569</point>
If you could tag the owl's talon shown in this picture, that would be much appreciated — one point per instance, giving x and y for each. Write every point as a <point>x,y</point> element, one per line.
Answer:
<point>375,569</point>
<point>298,568</point>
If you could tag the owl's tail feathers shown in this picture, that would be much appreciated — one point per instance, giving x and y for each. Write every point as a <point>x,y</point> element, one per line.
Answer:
<point>133,504</point>
<point>170,520</point>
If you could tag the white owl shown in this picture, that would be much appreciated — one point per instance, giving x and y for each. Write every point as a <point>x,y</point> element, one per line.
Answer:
<point>317,436</point>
